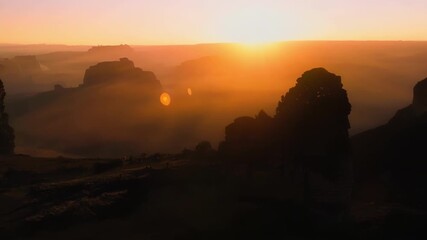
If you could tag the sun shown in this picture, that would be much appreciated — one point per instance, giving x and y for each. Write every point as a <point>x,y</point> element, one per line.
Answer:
<point>255,25</point>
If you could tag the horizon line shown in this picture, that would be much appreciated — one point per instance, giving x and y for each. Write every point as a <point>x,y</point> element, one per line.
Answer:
<point>199,43</point>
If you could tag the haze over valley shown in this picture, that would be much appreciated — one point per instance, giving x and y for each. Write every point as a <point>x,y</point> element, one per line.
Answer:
<point>226,80</point>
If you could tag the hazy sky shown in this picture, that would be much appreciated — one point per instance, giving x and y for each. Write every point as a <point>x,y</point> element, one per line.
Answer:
<point>197,21</point>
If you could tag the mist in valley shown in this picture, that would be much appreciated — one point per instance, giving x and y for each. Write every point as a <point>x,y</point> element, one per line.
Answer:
<point>125,117</point>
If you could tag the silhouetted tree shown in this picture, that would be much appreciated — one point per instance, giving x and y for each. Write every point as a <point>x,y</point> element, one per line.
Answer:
<point>7,136</point>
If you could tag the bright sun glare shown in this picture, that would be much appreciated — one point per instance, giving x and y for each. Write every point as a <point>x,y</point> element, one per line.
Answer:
<point>255,25</point>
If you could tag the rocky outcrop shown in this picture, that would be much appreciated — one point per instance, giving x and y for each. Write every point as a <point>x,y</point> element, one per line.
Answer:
<point>310,133</point>
<point>122,70</point>
<point>20,74</point>
<point>420,97</point>
<point>313,115</point>
<point>115,95</point>
<point>7,136</point>
<point>28,63</point>
<point>414,110</point>
<point>248,138</point>
<point>20,64</point>
<point>312,126</point>
<point>397,150</point>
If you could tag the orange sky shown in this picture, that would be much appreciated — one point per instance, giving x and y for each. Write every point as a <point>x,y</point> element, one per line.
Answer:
<point>198,21</point>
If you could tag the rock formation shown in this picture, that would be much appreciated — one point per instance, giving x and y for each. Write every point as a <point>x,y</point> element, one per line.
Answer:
<point>123,70</point>
<point>113,51</point>
<point>310,131</point>
<point>397,149</point>
<point>420,97</point>
<point>248,138</point>
<point>313,115</point>
<point>28,63</point>
<point>20,64</point>
<point>239,138</point>
<point>20,73</point>
<point>414,110</point>
<point>312,126</point>
<point>7,137</point>
<point>115,95</point>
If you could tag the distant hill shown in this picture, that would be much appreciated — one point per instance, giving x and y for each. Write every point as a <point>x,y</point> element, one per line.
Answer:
<point>112,50</point>
<point>11,50</point>
<point>37,73</point>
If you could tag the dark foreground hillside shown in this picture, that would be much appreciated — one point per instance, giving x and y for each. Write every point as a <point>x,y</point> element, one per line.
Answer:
<point>174,199</point>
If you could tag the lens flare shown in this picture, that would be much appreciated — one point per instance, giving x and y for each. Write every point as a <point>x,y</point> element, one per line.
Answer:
<point>189,91</point>
<point>165,99</point>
